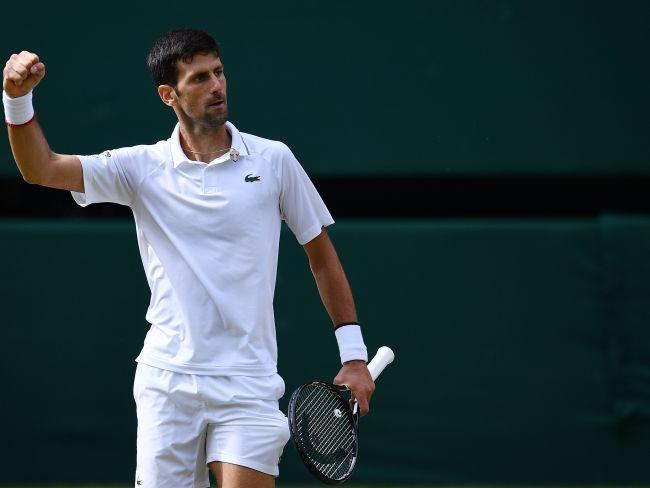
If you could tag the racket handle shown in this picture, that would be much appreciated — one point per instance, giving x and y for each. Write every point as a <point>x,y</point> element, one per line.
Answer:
<point>383,358</point>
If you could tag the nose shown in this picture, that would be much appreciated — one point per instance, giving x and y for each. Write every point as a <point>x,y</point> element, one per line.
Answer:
<point>217,83</point>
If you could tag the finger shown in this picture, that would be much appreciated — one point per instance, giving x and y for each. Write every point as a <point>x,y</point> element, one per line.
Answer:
<point>23,63</point>
<point>20,69</point>
<point>364,406</point>
<point>362,396</point>
<point>28,58</point>
<point>29,64</point>
<point>21,66</point>
<point>37,69</point>
<point>14,76</point>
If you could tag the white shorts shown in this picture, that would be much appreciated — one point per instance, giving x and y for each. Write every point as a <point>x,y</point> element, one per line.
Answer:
<point>186,421</point>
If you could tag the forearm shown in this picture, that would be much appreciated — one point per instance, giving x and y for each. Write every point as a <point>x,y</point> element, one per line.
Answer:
<point>31,151</point>
<point>335,291</point>
<point>34,158</point>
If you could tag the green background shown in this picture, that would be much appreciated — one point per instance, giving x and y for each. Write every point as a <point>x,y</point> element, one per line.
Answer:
<point>522,345</point>
<point>443,87</point>
<point>522,348</point>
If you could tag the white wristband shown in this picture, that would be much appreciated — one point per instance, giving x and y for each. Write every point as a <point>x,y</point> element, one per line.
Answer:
<point>350,342</point>
<point>19,110</point>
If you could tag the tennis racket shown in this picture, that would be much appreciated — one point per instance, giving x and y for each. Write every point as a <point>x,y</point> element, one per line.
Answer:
<point>325,429</point>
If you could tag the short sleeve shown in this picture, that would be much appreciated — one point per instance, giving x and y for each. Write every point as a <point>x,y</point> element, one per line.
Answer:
<point>108,177</point>
<point>300,204</point>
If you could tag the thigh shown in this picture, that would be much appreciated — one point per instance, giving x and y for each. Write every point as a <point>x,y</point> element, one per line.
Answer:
<point>257,447</point>
<point>171,434</point>
<point>235,476</point>
<point>248,430</point>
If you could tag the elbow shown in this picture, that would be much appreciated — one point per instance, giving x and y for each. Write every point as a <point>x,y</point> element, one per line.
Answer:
<point>34,179</point>
<point>28,179</point>
<point>37,174</point>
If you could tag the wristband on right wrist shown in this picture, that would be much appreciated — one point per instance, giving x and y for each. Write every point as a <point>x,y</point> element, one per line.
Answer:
<point>18,111</point>
<point>350,341</point>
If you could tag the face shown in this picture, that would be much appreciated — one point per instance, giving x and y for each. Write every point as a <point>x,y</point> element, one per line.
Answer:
<point>200,93</point>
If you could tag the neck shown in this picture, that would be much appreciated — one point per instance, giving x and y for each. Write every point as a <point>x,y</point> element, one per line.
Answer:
<point>200,143</point>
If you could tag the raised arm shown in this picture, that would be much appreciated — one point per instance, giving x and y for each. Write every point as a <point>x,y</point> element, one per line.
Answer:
<point>37,163</point>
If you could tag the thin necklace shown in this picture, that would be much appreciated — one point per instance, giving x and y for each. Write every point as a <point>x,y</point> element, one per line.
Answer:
<point>211,152</point>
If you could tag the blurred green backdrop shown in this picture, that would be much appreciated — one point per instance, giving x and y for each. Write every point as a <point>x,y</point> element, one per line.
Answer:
<point>443,87</point>
<point>523,352</point>
<point>523,346</point>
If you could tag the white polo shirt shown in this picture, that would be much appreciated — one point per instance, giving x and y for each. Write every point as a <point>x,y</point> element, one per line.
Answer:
<point>208,236</point>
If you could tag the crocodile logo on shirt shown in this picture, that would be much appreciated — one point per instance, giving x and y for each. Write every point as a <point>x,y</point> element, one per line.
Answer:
<point>250,178</point>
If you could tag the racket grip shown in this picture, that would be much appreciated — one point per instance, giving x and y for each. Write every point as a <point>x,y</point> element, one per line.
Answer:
<point>383,358</point>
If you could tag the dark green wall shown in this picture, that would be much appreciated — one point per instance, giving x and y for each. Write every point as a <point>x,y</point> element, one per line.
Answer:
<point>522,348</point>
<point>445,87</point>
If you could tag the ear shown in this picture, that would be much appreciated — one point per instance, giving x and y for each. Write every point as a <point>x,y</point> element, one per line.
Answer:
<point>167,94</point>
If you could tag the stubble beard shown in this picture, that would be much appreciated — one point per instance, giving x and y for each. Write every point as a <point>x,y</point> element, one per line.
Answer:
<point>207,120</point>
<point>214,121</point>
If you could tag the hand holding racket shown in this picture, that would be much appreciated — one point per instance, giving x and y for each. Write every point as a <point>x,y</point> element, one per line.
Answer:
<point>324,427</point>
<point>355,377</point>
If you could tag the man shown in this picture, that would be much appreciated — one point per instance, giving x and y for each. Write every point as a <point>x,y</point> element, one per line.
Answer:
<point>208,204</point>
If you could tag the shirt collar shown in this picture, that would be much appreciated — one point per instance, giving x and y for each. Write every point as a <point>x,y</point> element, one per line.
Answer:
<point>238,146</point>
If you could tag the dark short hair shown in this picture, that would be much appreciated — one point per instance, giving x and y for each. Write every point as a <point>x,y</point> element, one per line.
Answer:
<point>175,45</point>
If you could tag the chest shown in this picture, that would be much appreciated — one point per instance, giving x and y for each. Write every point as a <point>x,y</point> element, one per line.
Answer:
<point>229,199</point>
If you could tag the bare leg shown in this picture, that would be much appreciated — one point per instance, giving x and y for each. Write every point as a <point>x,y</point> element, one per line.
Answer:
<point>234,476</point>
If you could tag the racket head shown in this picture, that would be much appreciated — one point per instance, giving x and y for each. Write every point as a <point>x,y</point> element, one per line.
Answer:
<point>324,430</point>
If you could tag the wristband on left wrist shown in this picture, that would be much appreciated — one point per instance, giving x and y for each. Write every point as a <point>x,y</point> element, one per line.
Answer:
<point>350,342</point>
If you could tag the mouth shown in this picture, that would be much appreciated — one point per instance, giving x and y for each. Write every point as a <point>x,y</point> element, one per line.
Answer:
<point>218,104</point>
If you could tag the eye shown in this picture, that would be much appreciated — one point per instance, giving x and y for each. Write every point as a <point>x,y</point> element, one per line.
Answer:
<point>201,77</point>
<point>218,72</point>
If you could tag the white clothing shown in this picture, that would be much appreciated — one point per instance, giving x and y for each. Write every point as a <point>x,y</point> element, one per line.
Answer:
<point>186,421</point>
<point>208,236</point>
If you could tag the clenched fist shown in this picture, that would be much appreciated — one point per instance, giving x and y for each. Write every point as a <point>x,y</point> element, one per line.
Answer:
<point>22,73</point>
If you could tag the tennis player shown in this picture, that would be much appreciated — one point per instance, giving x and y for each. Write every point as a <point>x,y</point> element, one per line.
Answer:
<point>208,204</point>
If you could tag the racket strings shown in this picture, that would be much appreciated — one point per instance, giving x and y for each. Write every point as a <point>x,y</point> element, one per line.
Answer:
<point>329,444</point>
<point>323,408</point>
<point>326,430</point>
<point>325,426</point>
